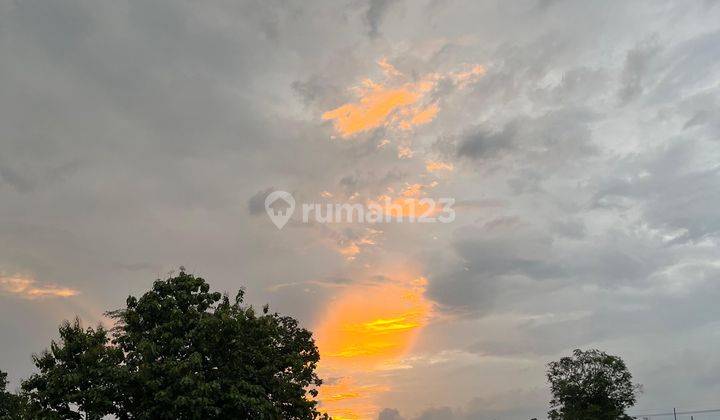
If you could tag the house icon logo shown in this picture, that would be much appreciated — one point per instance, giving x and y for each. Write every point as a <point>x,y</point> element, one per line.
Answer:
<point>280,206</point>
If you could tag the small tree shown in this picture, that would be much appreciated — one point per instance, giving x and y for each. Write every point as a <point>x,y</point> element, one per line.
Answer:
<point>590,385</point>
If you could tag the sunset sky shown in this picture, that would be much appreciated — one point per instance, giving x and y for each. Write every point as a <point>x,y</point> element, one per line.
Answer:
<point>579,140</point>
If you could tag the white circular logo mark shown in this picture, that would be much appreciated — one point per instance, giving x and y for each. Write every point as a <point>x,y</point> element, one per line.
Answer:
<point>280,206</point>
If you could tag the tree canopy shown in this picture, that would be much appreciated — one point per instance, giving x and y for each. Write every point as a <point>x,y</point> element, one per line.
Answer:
<point>9,403</point>
<point>590,385</point>
<point>179,351</point>
<point>78,374</point>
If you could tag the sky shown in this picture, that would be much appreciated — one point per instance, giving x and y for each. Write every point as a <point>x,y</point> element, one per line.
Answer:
<point>579,141</point>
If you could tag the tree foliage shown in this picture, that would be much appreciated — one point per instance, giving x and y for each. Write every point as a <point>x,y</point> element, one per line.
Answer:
<point>179,351</point>
<point>590,385</point>
<point>10,403</point>
<point>79,376</point>
<point>195,354</point>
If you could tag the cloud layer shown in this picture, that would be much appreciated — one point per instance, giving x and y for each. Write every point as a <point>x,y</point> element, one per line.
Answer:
<point>579,140</point>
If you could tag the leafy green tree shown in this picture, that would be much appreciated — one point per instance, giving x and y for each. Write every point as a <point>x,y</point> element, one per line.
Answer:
<point>179,352</point>
<point>79,376</point>
<point>10,404</point>
<point>192,353</point>
<point>590,385</point>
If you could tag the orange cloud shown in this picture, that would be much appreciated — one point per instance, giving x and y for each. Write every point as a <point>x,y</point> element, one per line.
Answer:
<point>419,116</point>
<point>463,78</point>
<point>416,190</point>
<point>377,103</point>
<point>369,328</point>
<point>27,288</point>
<point>434,166</point>
<point>345,399</point>
<point>404,152</point>
<point>372,324</point>
<point>350,248</point>
<point>388,69</point>
<point>393,104</point>
<point>408,204</point>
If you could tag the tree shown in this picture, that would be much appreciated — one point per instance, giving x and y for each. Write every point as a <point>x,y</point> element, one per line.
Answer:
<point>10,404</point>
<point>79,377</point>
<point>180,351</point>
<point>192,353</point>
<point>590,385</point>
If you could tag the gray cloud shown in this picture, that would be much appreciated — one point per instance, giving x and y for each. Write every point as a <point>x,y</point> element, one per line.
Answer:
<point>256,203</point>
<point>138,137</point>
<point>671,194</point>
<point>637,63</point>
<point>389,414</point>
<point>375,14</point>
<point>481,144</point>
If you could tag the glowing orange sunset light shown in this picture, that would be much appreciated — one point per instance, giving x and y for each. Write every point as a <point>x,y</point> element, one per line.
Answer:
<point>371,324</point>
<point>434,166</point>
<point>393,103</point>
<point>372,111</point>
<point>29,288</point>
<point>368,328</point>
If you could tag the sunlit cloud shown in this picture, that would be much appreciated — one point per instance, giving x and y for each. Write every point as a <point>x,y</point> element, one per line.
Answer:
<point>345,399</point>
<point>28,288</point>
<point>397,102</point>
<point>408,202</point>
<point>404,152</point>
<point>388,69</point>
<point>435,166</point>
<point>419,116</point>
<point>371,323</point>
<point>350,248</point>
<point>464,78</point>
<point>369,327</point>
<point>417,189</point>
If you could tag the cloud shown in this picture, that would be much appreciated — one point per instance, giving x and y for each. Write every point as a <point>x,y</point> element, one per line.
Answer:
<point>139,136</point>
<point>441,413</point>
<point>671,193</point>
<point>28,288</point>
<point>389,414</point>
<point>635,69</point>
<point>396,103</point>
<point>375,14</point>
<point>513,404</point>
<point>481,144</point>
<point>437,166</point>
<point>256,203</point>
